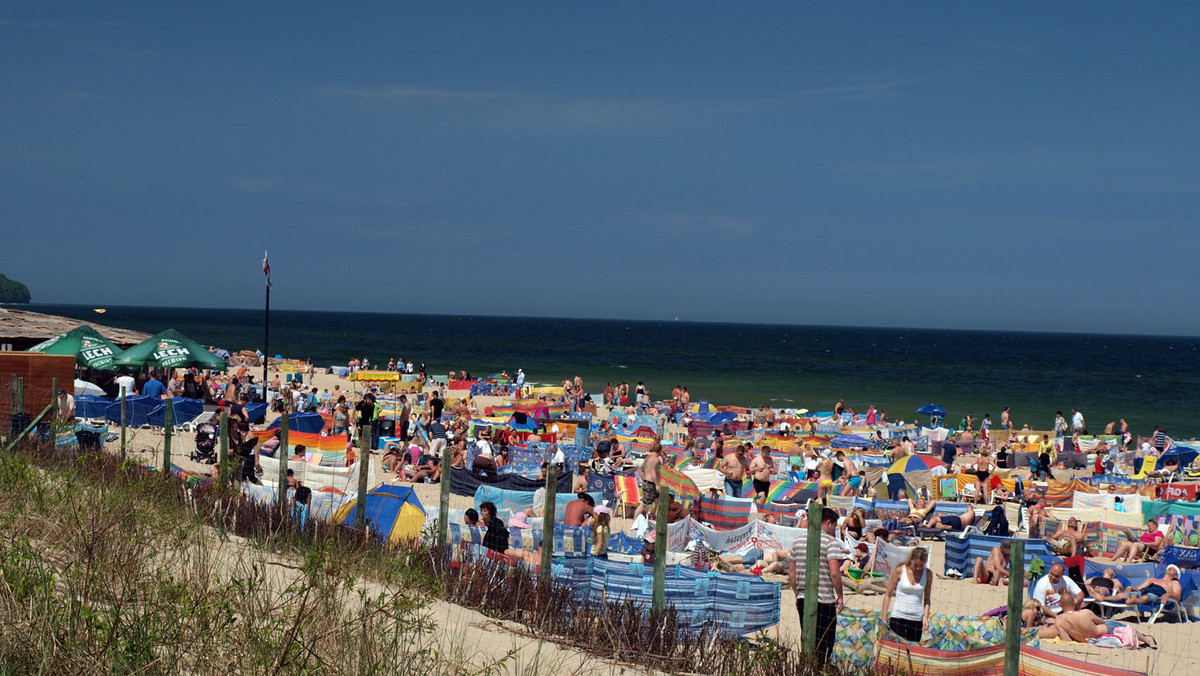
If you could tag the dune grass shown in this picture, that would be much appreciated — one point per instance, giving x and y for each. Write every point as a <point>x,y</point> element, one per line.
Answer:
<point>108,568</point>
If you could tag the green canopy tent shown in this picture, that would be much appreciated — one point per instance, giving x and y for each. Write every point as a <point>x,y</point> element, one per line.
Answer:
<point>170,349</point>
<point>89,348</point>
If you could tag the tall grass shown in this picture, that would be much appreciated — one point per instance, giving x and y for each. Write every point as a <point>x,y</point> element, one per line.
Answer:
<point>108,568</point>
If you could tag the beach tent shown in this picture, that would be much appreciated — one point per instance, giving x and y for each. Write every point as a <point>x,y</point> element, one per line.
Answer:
<point>394,512</point>
<point>300,422</point>
<point>170,349</point>
<point>89,348</point>
<point>185,411</point>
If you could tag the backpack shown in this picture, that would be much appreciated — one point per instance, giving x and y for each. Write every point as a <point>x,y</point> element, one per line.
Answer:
<point>998,523</point>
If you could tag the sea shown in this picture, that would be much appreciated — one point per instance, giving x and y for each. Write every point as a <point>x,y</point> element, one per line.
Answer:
<point>1148,380</point>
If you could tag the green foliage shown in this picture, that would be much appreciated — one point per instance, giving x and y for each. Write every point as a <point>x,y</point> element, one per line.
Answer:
<point>12,291</point>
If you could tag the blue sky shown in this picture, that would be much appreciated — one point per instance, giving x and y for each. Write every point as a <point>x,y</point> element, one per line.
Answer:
<point>1025,166</point>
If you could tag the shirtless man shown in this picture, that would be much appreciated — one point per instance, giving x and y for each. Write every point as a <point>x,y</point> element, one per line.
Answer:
<point>994,571</point>
<point>851,477</point>
<point>1079,625</point>
<point>761,469</point>
<point>651,478</point>
<point>1005,419</point>
<point>1104,586</point>
<point>824,479</point>
<point>1069,540</point>
<point>735,472</point>
<point>1156,589</point>
<point>954,523</point>
<point>1037,514</point>
<point>685,399</point>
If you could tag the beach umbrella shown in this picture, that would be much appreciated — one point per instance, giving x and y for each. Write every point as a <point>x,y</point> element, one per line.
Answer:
<point>722,417</point>
<point>931,409</point>
<point>185,411</point>
<point>89,348</point>
<point>84,388</point>
<point>679,483</point>
<point>170,349</point>
<point>914,463</point>
<point>308,422</point>
<point>849,441</point>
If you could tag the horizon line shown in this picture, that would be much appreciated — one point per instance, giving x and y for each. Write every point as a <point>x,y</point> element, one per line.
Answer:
<point>18,306</point>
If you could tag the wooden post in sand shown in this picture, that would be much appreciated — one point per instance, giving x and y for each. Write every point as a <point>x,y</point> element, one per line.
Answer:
<point>20,407</point>
<point>223,452</point>
<point>281,454</point>
<point>1016,592</point>
<point>444,501</point>
<point>168,423</point>
<point>364,467</point>
<point>54,400</point>
<point>548,521</point>
<point>812,578</point>
<point>658,602</point>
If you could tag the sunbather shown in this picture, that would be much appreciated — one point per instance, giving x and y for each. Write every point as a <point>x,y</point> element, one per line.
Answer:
<point>1074,625</point>
<point>994,571</point>
<point>918,511</point>
<point>1069,540</point>
<point>1038,512</point>
<point>955,523</point>
<point>765,560</point>
<point>1141,546</point>
<point>1104,586</point>
<point>1155,590</point>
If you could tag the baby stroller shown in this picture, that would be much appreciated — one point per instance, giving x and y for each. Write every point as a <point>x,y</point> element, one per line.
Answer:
<point>207,435</point>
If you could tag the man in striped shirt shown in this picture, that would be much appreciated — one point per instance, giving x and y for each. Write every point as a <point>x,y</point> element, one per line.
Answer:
<point>830,598</point>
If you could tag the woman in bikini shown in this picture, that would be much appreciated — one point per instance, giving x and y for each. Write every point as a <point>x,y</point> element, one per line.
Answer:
<point>983,471</point>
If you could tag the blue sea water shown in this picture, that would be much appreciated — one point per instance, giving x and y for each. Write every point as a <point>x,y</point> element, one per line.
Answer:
<point>1147,380</point>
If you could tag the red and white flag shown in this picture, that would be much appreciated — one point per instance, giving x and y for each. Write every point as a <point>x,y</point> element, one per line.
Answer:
<point>267,271</point>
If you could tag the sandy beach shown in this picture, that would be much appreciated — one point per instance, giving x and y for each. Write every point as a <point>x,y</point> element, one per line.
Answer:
<point>951,596</point>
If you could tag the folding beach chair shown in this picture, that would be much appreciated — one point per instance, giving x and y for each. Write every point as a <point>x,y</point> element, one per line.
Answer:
<point>949,488</point>
<point>628,494</point>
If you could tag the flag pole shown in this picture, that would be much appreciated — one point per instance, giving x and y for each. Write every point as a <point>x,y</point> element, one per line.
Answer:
<point>266,327</point>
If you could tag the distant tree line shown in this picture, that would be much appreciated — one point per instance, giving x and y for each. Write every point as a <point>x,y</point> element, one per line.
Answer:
<point>12,291</point>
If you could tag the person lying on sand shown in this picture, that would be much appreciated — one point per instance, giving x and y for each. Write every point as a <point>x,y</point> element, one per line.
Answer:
<point>766,561</point>
<point>1074,625</point>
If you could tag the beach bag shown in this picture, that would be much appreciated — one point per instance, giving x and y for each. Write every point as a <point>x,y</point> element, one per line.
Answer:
<point>1128,636</point>
<point>998,523</point>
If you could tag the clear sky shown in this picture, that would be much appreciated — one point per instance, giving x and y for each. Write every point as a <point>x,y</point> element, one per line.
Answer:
<point>1025,166</point>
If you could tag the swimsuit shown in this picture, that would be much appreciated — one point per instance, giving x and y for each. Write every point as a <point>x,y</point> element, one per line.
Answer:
<point>1155,593</point>
<point>954,522</point>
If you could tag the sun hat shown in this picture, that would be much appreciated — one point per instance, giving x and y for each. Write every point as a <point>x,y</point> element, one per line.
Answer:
<point>649,537</point>
<point>519,520</point>
<point>601,509</point>
<point>1178,572</point>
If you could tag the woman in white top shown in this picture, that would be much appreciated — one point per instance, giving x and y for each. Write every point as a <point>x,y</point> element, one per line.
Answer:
<point>910,586</point>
